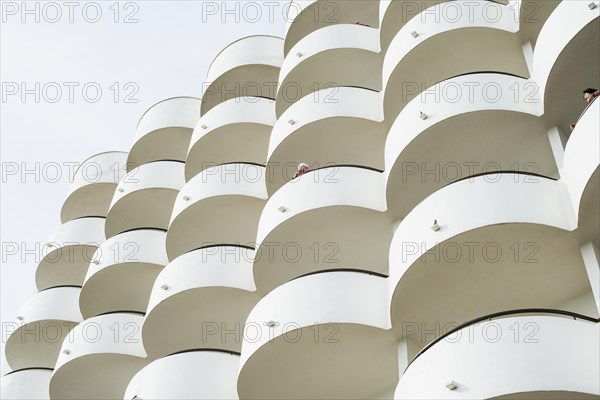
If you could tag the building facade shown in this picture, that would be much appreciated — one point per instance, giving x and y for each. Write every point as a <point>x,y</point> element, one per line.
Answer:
<point>443,244</point>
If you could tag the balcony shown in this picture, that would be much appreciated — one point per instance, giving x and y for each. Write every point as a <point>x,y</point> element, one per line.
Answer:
<point>67,255</point>
<point>190,375</point>
<point>320,336</point>
<point>145,197</point>
<point>533,14</point>
<point>452,39</point>
<point>201,301</point>
<point>582,175</point>
<point>123,272</point>
<point>26,384</point>
<point>566,61</point>
<point>345,127</point>
<point>339,55</point>
<point>531,356</point>
<point>41,326</point>
<point>227,199</point>
<point>164,131</point>
<point>306,16</point>
<point>99,358</point>
<point>510,233</point>
<point>93,186</point>
<point>248,67</point>
<point>326,219</point>
<point>237,130</point>
<point>394,14</point>
<point>463,127</point>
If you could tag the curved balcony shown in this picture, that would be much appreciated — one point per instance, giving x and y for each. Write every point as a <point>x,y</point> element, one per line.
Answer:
<point>145,197</point>
<point>248,67</point>
<point>326,219</point>
<point>93,186</point>
<point>164,131</point>
<point>314,64</point>
<point>237,130</point>
<point>562,80</point>
<point>227,199</point>
<point>190,375</point>
<point>123,272</point>
<point>478,123</point>
<point>509,233</point>
<point>451,39</point>
<point>346,130</point>
<point>43,323</point>
<point>26,384</point>
<point>68,253</point>
<point>201,301</point>
<point>306,16</point>
<point>334,325</point>
<point>533,357</point>
<point>533,14</point>
<point>582,175</point>
<point>99,359</point>
<point>394,14</point>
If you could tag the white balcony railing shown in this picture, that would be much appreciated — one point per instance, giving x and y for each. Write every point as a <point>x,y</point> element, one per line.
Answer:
<point>334,325</point>
<point>247,67</point>
<point>164,131</point>
<point>42,324</point>
<point>326,219</point>
<point>534,356</point>
<point>227,199</point>
<point>334,126</point>
<point>145,197</point>
<point>125,266</point>
<point>67,255</point>
<point>94,185</point>
<point>509,233</point>
<point>99,358</point>
<point>314,63</point>
<point>190,375</point>
<point>236,130</point>
<point>201,301</point>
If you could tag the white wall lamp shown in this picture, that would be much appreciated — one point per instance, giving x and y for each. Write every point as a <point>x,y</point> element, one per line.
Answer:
<point>165,287</point>
<point>292,122</point>
<point>423,116</point>
<point>282,209</point>
<point>451,385</point>
<point>271,324</point>
<point>414,34</point>
<point>592,6</point>
<point>435,227</point>
<point>186,198</point>
<point>204,127</point>
<point>299,54</point>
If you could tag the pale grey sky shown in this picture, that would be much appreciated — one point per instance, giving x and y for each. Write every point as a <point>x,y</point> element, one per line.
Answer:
<point>163,51</point>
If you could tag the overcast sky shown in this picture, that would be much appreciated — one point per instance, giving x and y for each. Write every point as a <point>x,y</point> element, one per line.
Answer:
<point>144,50</point>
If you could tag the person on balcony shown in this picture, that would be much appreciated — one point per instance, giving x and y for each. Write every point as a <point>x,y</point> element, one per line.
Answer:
<point>302,169</point>
<point>589,95</point>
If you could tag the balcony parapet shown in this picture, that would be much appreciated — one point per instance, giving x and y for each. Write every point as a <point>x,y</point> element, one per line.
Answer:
<point>164,131</point>
<point>125,266</point>
<point>145,197</point>
<point>94,185</point>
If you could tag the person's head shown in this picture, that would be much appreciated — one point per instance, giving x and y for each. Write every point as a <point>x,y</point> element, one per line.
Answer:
<point>302,167</point>
<point>588,94</point>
